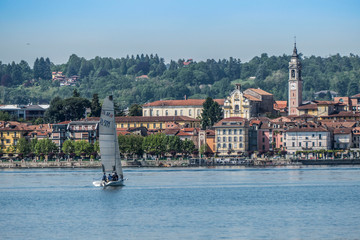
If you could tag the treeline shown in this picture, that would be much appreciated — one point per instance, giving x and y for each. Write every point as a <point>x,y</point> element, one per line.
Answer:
<point>175,80</point>
<point>155,144</point>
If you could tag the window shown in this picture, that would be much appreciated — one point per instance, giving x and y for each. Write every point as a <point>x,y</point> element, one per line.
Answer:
<point>229,131</point>
<point>263,133</point>
<point>299,144</point>
<point>181,112</point>
<point>224,132</point>
<point>240,131</point>
<point>160,125</point>
<point>263,140</point>
<point>7,140</point>
<point>189,112</point>
<point>198,112</point>
<point>293,144</point>
<point>235,139</point>
<point>166,113</point>
<point>319,144</point>
<point>240,145</point>
<point>134,124</point>
<point>175,112</point>
<point>148,125</point>
<point>218,131</point>
<point>144,112</point>
<point>157,112</point>
<point>240,138</point>
<point>224,139</point>
<point>235,131</point>
<point>229,139</point>
<point>218,139</point>
<point>122,125</point>
<point>230,146</point>
<point>319,136</point>
<point>219,145</point>
<point>224,145</point>
<point>154,125</point>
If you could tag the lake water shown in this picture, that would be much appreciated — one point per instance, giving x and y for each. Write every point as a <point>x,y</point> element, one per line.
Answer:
<point>182,203</point>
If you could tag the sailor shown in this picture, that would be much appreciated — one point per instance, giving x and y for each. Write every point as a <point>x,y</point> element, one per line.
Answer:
<point>104,177</point>
<point>109,177</point>
<point>115,176</point>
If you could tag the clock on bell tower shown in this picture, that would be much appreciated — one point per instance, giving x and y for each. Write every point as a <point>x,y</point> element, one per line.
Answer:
<point>295,83</point>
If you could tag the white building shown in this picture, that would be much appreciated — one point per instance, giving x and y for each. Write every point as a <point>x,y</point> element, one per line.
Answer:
<point>307,138</point>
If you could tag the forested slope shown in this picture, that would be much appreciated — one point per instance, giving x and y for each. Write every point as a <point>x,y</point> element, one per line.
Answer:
<point>23,84</point>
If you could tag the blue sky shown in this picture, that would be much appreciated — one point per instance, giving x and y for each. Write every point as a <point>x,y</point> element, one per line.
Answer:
<point>172,29</point>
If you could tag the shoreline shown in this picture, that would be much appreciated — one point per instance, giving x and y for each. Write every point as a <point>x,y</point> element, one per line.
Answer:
<point>175,163</point>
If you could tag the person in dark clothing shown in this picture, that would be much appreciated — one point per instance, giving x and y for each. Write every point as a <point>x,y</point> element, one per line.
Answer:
<point>115,176</point>
<point>109,177</point>
<point>104,177</point>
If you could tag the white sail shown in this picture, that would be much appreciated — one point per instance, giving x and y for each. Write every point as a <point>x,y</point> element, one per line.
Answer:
<point>109,147</point>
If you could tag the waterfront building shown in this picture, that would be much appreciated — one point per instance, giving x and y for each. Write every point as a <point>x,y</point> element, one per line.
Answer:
<point>231,136</point>
<point>156,122</point>
<point>280,108</point>
<point>342,116</point>
<point>59,133</point>
<point>83,130</point>
<point>342,138</point>
<point>10,133</point>
<point>191,108</point>
<point>307,138</point>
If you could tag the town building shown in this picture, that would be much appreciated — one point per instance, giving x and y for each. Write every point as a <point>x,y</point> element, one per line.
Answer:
<point>342,138</point>
<point>231,136</point>
<point>156,122</point>
<point>26,112</point>
<point>10,133</point>
<point>307,138</point>
<point>191,108</point>
<point>249,103</point>
<point>320,108</point>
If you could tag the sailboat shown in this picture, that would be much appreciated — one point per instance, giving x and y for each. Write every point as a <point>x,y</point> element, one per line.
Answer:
<point>109,147</point>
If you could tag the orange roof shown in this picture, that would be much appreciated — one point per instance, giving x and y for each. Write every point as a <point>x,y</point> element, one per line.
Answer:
<point>281,104</point>
<point>259,91</point>
<point>187,102</point>
<point>230,119</point>
<point>181,133</point>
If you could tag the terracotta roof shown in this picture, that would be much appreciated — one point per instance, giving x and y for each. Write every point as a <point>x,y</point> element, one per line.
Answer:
<point>356,96</point>
<point>342,130</point>
<point>231,119</point>
<point>210,132</point>
<point>181,133</point>
<point>345,114</point>
<point>155,119</point>
<point>251,98</point>
<point>187,102</point>
<point>171,131</point>
<point>307,106</point>
<point>259,91</point>
<point>280,105</point>
<point>307,129</point>
<point>348,124</point>
<point>281,119</point>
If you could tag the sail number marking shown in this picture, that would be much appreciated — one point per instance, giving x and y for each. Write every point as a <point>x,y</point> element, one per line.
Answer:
<point>104,123</point>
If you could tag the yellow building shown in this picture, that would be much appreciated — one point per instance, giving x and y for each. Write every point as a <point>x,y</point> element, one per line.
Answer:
<point>231,136</point>
<point>160,122</point>
<point>10,135</point>
<point>320,108</point>
<point>188,108</point>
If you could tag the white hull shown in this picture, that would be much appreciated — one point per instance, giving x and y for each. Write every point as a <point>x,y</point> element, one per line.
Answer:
<point>109,184</point>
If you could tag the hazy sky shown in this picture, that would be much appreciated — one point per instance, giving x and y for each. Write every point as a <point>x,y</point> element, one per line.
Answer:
<point>173,29</point>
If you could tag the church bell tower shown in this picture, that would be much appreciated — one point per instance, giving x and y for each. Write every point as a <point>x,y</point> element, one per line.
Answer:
<point>295,83</point>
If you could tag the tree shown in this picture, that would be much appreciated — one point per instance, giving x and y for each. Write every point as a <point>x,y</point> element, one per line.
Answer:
<point>83,146</point>
<point>45,146</point>
<point>155,144</point>
<point>135,110</point>
<point>76,93</point>
<point>23,146</point>
<point>68,147</point>
<point>211,114</point>
<point>95,106</point>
